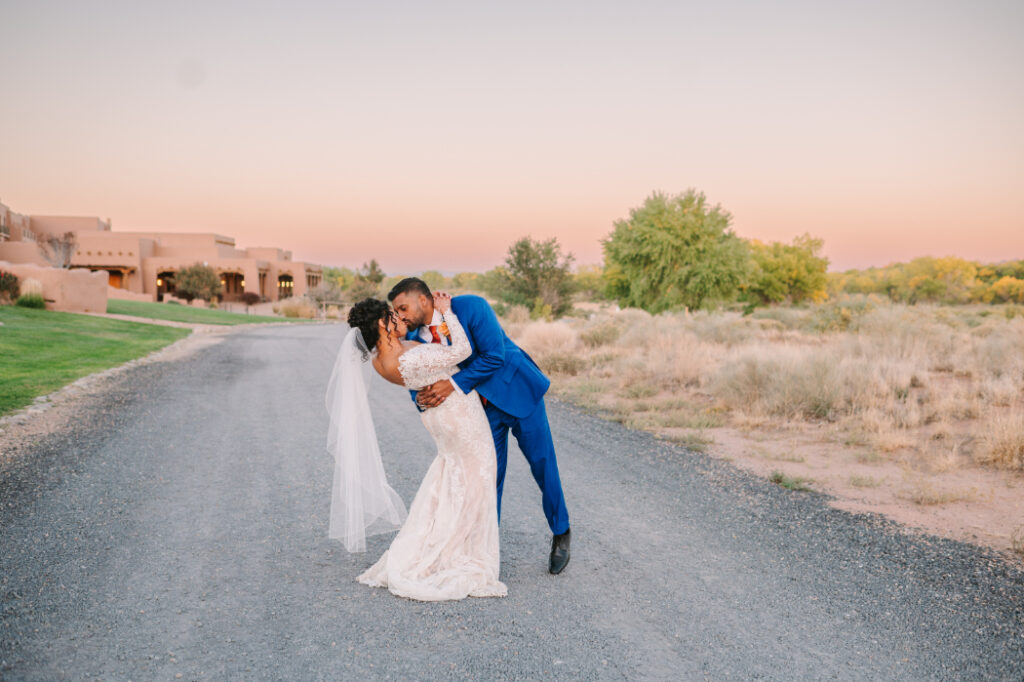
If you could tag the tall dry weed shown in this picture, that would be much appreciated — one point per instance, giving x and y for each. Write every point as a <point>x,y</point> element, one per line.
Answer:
<point>1004,443</point>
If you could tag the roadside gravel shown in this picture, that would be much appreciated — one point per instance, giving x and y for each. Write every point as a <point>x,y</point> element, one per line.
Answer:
<point>177,527</point>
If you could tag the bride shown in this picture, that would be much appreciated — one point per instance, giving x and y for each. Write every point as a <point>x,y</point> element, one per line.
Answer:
<point>447,547</point>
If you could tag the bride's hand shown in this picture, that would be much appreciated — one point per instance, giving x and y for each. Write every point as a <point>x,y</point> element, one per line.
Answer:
<point>442,302</point>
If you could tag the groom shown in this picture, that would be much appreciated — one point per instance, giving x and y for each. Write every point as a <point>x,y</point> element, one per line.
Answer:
<point>511,387</point>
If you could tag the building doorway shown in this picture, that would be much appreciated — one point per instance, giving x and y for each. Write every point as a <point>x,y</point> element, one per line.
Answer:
<point>116,279</point>
<point>164,284</point>
<point>233,284</point>
<point>285,286</point>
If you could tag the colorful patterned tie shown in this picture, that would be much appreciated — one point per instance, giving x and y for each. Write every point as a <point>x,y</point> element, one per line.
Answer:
<point>434,336</point>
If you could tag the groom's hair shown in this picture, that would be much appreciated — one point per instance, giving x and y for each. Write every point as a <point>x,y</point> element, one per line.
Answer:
<point>410,285</point>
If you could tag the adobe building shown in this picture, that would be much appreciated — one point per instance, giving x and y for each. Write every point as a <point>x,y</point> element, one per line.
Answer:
<point>143,265</point>
<point>77,291</point>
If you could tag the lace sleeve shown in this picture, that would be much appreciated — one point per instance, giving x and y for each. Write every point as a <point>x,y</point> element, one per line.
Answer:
<point>430,362</point>
<point>460,348</point>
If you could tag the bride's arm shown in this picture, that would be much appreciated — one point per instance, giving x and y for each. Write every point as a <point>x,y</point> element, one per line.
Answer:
<point>460,348</point>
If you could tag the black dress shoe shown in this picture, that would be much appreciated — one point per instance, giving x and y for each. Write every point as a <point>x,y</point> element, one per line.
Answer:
<point>559,553</point>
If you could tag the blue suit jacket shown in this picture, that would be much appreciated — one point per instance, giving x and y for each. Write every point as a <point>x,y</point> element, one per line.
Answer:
<point>498,369</point>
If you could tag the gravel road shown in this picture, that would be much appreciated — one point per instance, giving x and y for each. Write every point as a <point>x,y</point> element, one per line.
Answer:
<point>179,531</point>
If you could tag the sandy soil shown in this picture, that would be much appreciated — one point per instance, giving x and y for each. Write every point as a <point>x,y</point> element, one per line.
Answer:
<point>963,501</point>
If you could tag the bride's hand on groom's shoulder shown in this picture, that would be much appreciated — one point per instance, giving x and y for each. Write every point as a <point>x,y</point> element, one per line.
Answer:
<point>442,301</point>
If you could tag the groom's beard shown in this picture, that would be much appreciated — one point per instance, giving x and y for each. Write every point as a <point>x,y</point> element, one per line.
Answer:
<point>423,320</point>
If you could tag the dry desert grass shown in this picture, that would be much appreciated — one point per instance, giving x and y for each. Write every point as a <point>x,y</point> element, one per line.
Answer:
<point>881,404</point>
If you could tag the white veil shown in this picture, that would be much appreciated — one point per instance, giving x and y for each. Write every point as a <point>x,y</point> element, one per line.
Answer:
<point>362,502</point>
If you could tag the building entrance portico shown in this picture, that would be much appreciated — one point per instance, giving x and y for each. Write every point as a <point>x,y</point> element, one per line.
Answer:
<point>233,284</point>
<point>164,284</point>
<point>285,286</point>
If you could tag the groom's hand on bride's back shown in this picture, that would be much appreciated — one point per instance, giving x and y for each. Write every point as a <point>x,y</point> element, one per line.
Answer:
<point>435,394</point>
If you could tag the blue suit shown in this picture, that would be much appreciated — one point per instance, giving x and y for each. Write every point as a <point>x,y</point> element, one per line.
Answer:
<point>514,387</point>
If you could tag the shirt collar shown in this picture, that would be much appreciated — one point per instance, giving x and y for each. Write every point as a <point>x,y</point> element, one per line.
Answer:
<point>437,319</point>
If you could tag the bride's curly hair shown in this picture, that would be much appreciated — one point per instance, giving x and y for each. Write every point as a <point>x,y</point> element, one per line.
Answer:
<point>366,314</point>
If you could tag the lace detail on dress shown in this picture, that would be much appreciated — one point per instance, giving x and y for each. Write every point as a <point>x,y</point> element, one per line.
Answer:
<point>448,547</point>
<point>428,363</point>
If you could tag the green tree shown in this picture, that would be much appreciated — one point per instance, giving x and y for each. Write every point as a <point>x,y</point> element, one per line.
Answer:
<point>787,272</point>
<point>341,277</point>
<point>674,251</point>
<point>435,280</point>
<point>1008,290</point>
<point>367,282</point>
<point>589,282</point>
<point>197,281</point>
<point>538,276</point>
<point>493,282</point>
<point>467,281</point>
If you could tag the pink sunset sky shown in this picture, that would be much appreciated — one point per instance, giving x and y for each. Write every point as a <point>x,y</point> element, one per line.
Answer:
<point>433,135</point>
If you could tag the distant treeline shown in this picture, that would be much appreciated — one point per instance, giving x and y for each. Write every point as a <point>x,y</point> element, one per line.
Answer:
<point>679,252</point>
<point>936,280</point>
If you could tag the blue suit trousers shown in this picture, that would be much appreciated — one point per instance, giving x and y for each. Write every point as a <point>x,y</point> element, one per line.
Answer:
<point>534,437</point>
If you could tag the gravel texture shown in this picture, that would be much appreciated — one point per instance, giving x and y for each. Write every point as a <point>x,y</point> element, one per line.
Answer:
<point>177,530</point>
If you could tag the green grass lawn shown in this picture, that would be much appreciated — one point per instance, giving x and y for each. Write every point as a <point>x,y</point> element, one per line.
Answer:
<point>184,313</point>
<point>41,350</point>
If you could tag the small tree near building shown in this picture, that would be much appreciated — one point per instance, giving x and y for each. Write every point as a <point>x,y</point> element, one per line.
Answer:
<point>58,250</point>
<point>197,281</point>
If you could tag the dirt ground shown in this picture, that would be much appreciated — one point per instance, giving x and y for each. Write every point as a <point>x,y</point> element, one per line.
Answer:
<point>964,502</point>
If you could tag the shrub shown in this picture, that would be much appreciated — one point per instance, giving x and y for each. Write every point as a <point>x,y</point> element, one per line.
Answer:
<point>251,298</point>
<point>197,281</point>
<point>515,314</point>
<point>296,307</point>
<point>31,286</point>
<point>843,314</point>
<point>555,347</point>
<point>1004,444</point>
<point>8,285</point>
<point>32,301</point>
<point>785,382</point>
<point>601,334</point>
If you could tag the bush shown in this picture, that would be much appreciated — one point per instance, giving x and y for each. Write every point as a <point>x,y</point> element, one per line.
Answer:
<point>601,334</point>
<point>1004,444</point>
<point>296,307</point>
<point>8,285</point>
<point>197,281</point>
<point>251,298</point>
<point>32,301</point>
<point>31,286</point>
<point>843,314</point>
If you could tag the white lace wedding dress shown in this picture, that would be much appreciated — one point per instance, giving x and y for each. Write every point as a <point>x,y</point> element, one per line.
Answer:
<point>448,546</point>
